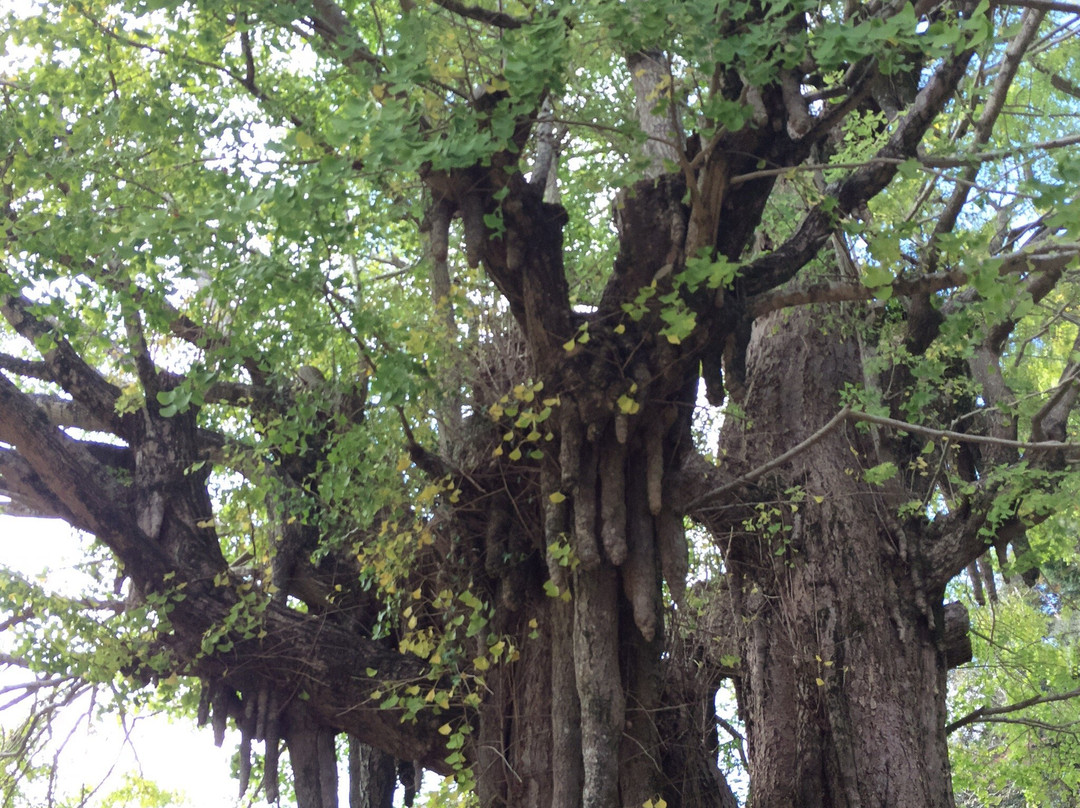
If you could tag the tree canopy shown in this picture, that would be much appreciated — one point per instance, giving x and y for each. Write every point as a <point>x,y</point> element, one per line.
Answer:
<point>483,388</point>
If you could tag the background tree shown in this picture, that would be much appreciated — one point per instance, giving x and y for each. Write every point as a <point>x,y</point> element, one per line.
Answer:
<point>367,340</point>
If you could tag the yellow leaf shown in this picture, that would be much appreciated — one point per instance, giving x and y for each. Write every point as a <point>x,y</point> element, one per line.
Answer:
<point>620,328</point>
<point>515,455</point>
<point>481,664</point>
<point>556,497</point>
<point>673,339</point>
<point>403,462</point>
<point>533,623</point>
<point>416,593</point>
<point>820,682</point>
<point>569,346</point>
<point>445,729</point>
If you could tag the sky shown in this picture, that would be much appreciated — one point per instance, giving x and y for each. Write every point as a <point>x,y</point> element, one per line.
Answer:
<point>177,756</point>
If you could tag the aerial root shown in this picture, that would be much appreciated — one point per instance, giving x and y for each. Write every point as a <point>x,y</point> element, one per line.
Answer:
<point>674,552</point>
<point>585,544</point>
<point>613,502</point>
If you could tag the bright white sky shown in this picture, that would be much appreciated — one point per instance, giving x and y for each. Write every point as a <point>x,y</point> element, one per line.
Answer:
<point>178,757</point>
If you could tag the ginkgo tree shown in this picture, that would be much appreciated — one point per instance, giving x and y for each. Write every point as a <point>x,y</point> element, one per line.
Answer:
<point>377,346</point>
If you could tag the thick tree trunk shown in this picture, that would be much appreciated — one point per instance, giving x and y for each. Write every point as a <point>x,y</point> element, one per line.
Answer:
<point>580,718</point>
<point>372,776</point>
<point>843,684</point>
<point>312,756</point>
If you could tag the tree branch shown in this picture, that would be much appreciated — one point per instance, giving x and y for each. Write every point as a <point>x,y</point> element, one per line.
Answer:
<point>1050,259</point>
<point>984,127</point>
<point>987,713</point>
<point>779,266</point>
<point>332,25</point>
<point>777,461</point>
<point>71,477</point>
<point>961,437</point>
<point>1041,5</point>
<point>25,368</point>
<point>496,19</point>
<point>66,367</point>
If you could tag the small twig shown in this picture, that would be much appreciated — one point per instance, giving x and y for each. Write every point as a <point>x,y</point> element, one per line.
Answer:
<point>1041,5</point>
<point>960,437</point>
<point>765,468</point>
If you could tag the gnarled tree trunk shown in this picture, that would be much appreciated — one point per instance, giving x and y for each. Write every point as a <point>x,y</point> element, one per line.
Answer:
<point>842,687</point>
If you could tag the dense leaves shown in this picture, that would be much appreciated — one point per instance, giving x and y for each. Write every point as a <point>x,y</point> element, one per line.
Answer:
<point>372,343</point>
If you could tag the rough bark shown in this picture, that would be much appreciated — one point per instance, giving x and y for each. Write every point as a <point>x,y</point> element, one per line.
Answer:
<point>372,776</point>
<point>842,686</point>
<point>312,756</point>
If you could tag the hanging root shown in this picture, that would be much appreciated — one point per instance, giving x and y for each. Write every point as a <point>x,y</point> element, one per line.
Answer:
<point>674,552</point>
<point>270,758</point>
<point>565,709</point>
<point>247,723</point>
<point>613,501</point>
<point>244,773</point>
<point>569,448</point>
<point>654,464</point>
<point>640,581</point>
<point>622,427</point>
<point>495,537</point>
<point>555,523</point>
<point>219,703</point>
<point>206,690</point>
<point>599,683</point>
<point>261,707</point>
<point>585,545</point>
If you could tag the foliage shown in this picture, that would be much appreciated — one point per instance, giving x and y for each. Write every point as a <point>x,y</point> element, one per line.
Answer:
<point>296,322</point>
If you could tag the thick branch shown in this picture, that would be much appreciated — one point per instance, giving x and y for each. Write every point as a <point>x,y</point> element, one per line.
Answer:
<point>496,19</point>
<point>332,25</point>
<point>864,183</point>
<point>26,368</point>
<point>28,492</point>
<point>75,480</point>
<point>66,367</point>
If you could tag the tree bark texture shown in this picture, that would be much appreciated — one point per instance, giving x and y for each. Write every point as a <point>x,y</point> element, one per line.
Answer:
<point>372,776</point>
<point>842,687</point>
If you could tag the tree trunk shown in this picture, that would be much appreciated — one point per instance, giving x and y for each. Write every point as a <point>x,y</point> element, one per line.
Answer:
<point>843,685</point>
<point>312,756</point>
<point>372,776</point>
